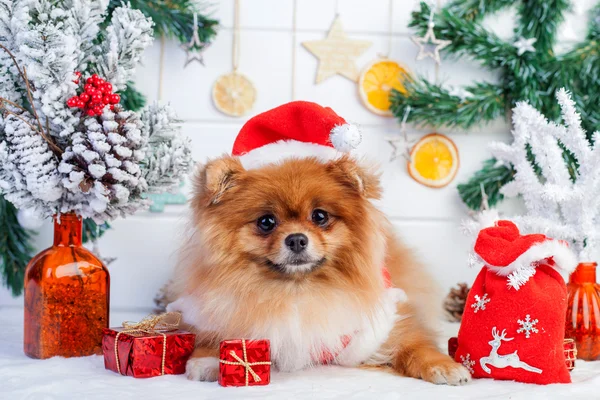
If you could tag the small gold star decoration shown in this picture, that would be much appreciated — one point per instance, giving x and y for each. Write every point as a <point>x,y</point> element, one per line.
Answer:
<point>429,45</point>
<point>337,53</point>
<point>194,50</point>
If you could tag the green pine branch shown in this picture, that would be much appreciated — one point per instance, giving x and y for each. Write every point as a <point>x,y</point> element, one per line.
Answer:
<point>131,99</point>
<point>474,10</point>
<point>468,38</point>
<point>15,248</point>
<point>540,19</point>
<point>533,76</point>
<point>92,231</point>
<point>174,18</point>
<point>431,104</point>
<point>491,177</point>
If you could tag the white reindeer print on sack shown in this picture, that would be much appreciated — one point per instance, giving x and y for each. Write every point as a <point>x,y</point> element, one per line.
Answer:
<point>503,361</point>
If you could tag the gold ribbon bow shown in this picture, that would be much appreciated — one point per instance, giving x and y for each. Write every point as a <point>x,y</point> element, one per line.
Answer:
<point>244,362</point>
<point>151,324</point>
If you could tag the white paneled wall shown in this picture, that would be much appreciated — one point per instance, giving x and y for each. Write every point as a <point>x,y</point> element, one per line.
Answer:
<point>427,219</point>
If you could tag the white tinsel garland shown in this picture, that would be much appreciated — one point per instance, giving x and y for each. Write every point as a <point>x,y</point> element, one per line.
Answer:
<point>556,205</point>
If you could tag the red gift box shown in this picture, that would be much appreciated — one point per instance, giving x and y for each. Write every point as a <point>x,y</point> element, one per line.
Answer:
<point>144,351</point>
<point>244,362</point>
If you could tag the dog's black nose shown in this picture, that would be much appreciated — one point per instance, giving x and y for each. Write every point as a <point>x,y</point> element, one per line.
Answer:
<point>296,242</point>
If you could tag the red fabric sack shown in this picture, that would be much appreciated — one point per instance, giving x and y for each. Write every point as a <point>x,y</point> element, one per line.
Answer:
<point>514,320</point>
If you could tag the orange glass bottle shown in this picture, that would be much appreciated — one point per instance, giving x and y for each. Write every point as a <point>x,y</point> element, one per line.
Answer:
<point>66,296</point>
<point>583,311</point>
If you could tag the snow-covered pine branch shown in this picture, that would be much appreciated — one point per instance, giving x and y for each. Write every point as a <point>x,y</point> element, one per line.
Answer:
<point>556,205</point>
<point>168,158</point>
<point>28,169</point>
<point>14,18</point>
<point>128,35</point>
<point>49,53</point>
<point>86,17</point>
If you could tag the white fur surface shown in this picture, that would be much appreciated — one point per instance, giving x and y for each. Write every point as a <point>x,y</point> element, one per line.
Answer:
<point>202,369</point>
<point>286,149</point>
<point>296,345</point>
<point>59,378</point>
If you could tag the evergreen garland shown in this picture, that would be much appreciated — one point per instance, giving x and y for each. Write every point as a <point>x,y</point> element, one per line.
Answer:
<point>533,77</point>
<point>15,248</point>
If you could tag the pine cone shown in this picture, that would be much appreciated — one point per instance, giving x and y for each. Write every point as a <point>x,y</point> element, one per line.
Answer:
<point>454,304</point>
<point>100,167</point>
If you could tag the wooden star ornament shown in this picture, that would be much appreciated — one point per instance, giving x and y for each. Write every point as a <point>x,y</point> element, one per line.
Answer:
<point>429,45</point>
<point>337,53</point>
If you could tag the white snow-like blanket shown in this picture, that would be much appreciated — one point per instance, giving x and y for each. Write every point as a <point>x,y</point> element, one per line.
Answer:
<point>86,378</point>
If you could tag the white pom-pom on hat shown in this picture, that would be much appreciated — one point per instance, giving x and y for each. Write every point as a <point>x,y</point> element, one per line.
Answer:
<point>345,138</point>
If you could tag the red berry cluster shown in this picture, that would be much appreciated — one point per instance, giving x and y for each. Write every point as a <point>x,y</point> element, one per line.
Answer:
<point>97,94</point>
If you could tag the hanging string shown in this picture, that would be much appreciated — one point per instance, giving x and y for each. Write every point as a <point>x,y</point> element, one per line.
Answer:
<point>337,8</point>
<point>294,15</point>
<point>161,66</point>
<point>235,56</point>
<point>388,53</point>
<point>434,6</point>
<point>403,129</point>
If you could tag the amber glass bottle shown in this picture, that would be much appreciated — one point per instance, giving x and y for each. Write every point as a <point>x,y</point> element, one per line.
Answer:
<point>66,296</point>
<point>583,311</point>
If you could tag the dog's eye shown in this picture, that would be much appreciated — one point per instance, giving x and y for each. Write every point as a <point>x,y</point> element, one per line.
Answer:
<point>320,217</point>
<point>266,223</point>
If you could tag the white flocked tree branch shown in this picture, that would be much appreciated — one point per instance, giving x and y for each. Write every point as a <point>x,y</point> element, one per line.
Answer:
<point>556,205</point>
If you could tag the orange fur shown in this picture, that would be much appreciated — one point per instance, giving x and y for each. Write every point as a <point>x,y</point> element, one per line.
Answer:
<point>226,267</point>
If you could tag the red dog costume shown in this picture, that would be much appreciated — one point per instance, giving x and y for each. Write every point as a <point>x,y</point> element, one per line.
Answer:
<point>514,320</point>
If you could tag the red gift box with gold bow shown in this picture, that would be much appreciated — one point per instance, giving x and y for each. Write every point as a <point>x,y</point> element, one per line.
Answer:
<point>244,362</point>
<point>151,347</point>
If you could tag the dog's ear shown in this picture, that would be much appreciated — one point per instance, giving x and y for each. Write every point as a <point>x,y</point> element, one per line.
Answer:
<point>363,179</point>
<point>217,177</point>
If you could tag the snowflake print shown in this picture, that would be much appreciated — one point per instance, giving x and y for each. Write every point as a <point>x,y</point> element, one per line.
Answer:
<point>527,326</point>
<point>480,302</point>
<point>468,363</point>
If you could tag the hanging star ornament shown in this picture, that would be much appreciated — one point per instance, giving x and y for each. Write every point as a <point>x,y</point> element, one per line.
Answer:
<point>429,45</point>
<point>400,146</point>
<point>194,50</point>
<point>337,53</point>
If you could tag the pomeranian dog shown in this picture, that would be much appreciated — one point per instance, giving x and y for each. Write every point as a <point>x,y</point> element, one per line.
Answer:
<point>295,252</point>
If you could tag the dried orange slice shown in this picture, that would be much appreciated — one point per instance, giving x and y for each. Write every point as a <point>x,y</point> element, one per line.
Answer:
<point>434,160</point>
<point>233,94</point>
<point>377,81</point>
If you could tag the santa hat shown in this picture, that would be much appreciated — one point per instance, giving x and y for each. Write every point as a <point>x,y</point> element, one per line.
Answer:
<point>294,130</point>
<point>504,250</point>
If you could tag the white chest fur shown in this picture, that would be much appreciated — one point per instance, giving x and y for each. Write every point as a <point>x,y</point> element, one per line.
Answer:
<point>299,341</point>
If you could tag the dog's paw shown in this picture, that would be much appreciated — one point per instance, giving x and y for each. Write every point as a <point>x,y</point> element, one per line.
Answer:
<point>202,369</point>
<point>447,372</point>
